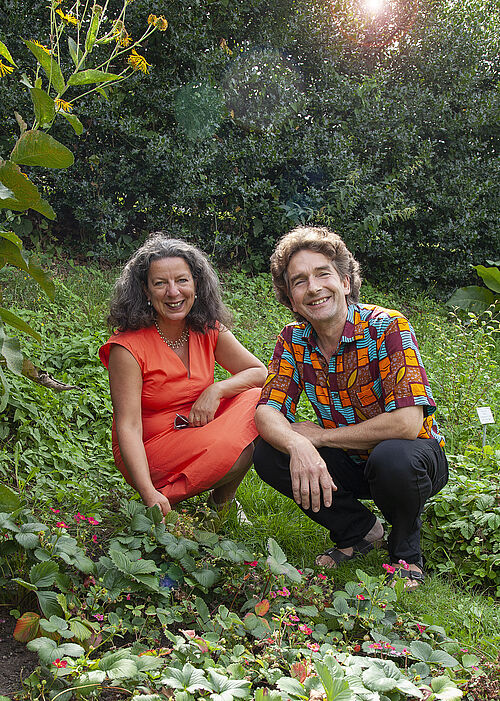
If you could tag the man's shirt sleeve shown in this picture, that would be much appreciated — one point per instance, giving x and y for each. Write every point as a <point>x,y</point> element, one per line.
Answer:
<point>283,385</point>
<point>404,380</point>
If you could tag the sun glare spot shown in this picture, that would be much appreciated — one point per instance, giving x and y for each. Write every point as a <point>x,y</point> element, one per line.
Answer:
<point>374,6</point>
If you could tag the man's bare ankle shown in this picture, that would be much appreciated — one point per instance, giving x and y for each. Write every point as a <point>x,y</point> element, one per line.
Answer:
<point>375,533</point>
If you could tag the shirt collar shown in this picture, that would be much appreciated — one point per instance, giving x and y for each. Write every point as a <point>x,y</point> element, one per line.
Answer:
<point>353,330</point>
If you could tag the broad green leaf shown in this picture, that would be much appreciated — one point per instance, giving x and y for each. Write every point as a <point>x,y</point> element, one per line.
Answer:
<point>473,298</point>
<point>79,630</point>
<point>36,148</point>
<point>421,650</point>
<point>5,193</point>
<point>75,51</point>
<point>70,650</point>
<point>94,677</point>
<point>44,647</point>
<point>206,577</point>
<point>292,687</point>
<point>223,687</point>
<point>445,689</point>
<point>118,665</point>
<point>276,552</point>
<point>11,236</point>
<point>375,679</point>
<point>4,51</point>
<point>10,350</point>
<point>9,500</point>
<point>45,110</point>
<point>93,29</point>
<point>24,584</point>
<point>187,678</point>
<point>340,605</point>
<point>54,624</point>
<point>91,76</point>
<point>202,609</point>
<point>49,65</point>
<point>4,390</point>
<point>41,277</point>
<point>470,661</point>
<point>16,322</point>
<point>73,120</point>
<point>141,523</point>
<point>139,570</point>
<point>26,195</point>
<point>44,574</point>
<point>337,689</point>
<point>154,514</point>
<point>27,627</point>
<point>491,277</point>
<point>443,659</point>
<point>49,604</point>
<point>12,254</point>
<point>29,541</point>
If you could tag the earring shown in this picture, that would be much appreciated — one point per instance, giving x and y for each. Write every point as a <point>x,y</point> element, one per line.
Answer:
<point>196,296</point>
<point>149,302</point>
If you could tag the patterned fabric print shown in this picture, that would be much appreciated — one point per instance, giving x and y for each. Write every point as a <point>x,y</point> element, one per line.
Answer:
<point>377,368</point>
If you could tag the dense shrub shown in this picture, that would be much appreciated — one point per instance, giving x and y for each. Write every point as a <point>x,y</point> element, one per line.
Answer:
<point>257,116</point>
<point>461,532</point>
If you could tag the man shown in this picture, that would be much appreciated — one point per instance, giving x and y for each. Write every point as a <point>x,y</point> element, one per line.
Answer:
<point>361,370</point>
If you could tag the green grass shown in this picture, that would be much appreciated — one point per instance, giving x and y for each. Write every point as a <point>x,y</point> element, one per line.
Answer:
<point>57,448</point>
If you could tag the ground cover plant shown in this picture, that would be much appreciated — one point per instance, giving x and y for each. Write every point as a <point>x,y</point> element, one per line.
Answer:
<point>115,602</point>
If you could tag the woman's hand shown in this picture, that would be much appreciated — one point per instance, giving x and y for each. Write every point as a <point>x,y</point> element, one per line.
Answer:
<point>156,497</point>
<point>204,408</point>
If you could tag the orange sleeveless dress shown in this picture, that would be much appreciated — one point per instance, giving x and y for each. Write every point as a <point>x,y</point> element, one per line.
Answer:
<point>183,462</point>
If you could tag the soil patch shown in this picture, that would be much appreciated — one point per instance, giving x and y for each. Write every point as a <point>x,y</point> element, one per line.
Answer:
<point>16,662</point>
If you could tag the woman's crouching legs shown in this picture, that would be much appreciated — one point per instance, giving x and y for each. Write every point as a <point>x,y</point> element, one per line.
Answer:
<point>225,489</point>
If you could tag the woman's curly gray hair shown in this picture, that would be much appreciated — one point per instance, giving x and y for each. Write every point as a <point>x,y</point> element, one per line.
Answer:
<point>129,309</point>
<point>321,240</point>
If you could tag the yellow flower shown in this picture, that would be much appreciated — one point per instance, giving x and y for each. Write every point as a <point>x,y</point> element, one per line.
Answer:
<point>4,69</point>
<point>138,62</point>
<point>160,23</point>
<point>63,105</point>
<point>69,19</point>
<point>125,38</point>
<point>48,51</point>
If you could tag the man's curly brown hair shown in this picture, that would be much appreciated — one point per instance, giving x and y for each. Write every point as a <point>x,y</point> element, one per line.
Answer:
<point>321,240</point>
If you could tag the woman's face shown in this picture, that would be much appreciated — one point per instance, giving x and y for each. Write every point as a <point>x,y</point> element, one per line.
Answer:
<point>170,288</point>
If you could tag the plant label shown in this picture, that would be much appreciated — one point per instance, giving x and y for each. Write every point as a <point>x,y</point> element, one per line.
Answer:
<point>485,415</point>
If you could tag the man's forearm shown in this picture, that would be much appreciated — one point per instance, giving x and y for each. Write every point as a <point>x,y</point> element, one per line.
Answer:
<point>402,423</point>
<point>275,428</point>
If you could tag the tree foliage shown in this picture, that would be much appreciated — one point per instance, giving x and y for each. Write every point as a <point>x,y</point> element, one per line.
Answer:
<point>257,116</point>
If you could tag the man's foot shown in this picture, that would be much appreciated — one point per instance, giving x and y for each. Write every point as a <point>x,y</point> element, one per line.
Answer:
<point>334,556</point>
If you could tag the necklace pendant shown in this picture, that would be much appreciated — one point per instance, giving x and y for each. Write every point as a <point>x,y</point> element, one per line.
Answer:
<point>178,342</point>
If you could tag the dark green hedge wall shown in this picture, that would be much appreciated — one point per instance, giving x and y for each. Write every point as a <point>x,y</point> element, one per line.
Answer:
<point>396,149</point>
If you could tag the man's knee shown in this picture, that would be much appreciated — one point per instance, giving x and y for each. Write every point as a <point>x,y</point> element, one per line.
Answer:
<point>392,464</point>
<point>266,460</point>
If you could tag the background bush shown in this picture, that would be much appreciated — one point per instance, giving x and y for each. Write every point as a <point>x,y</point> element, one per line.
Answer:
<point>257,116</point>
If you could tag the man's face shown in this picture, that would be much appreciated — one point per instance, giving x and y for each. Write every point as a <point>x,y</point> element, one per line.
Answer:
<point>316,291</point>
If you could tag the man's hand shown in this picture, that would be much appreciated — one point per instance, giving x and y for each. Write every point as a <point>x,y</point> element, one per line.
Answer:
<point>156,497</point>
<point>310,478</point>
<point>204,408</point>
<point>312,431</point>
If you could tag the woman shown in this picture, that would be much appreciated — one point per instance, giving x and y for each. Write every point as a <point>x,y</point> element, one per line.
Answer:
<point>176,432</point>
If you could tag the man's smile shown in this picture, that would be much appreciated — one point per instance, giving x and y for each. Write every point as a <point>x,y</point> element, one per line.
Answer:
<point>318,301</point>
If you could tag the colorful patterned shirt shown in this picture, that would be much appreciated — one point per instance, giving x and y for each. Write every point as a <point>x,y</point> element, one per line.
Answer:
<point>377,368</point>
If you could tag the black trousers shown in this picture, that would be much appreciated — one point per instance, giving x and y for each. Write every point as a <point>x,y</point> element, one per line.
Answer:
<point>399,476</point>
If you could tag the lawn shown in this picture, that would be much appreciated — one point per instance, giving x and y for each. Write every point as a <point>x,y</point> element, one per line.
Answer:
<point>218,609</point>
